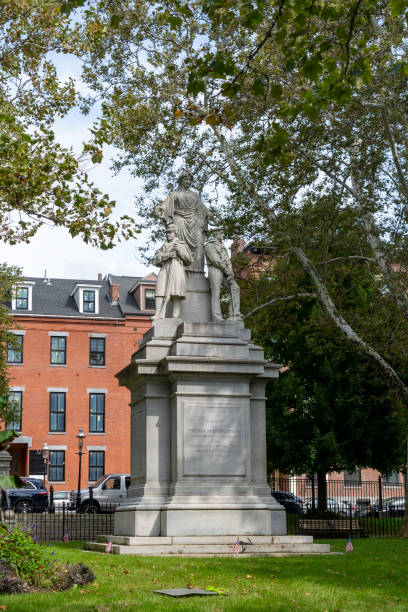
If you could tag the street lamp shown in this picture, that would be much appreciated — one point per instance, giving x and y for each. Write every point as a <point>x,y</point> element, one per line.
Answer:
<point>45,454</point>
<point>80,436</point>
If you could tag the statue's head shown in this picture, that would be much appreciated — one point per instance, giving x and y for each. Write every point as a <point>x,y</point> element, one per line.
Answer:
<point>217,233</point>
<point>185,179</point>
<point>171,231</point>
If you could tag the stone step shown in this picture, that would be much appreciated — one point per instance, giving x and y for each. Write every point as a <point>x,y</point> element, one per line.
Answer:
<point>229,540</point>
<point>212,549</point>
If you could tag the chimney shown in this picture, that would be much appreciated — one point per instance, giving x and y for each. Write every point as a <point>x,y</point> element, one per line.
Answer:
<point>114,293</point>
<point>99,276</point>
<point>237,246</point>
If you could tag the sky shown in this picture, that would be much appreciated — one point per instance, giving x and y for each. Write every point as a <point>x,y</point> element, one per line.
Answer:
<point>52,249</point>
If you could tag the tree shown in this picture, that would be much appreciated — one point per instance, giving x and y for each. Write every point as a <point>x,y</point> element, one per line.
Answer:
<point>41,181</point>
<point>330,409</point>
<point>289,143</point>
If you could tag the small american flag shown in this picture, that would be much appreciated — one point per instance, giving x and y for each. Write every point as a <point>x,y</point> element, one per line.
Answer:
<point>109,545</point>
<point>66,537</point>
<point>236,547</point>
<point>349,545</point>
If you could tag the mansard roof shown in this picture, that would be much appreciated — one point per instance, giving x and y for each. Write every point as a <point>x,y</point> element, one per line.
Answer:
<point>55,297</point>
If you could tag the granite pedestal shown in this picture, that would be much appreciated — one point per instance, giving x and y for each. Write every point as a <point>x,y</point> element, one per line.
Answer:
<point>198,434</point>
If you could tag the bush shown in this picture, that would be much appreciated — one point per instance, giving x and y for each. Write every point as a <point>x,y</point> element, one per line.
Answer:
<point>19,550</point>
<point>10,583</point>
<point>25,566</point>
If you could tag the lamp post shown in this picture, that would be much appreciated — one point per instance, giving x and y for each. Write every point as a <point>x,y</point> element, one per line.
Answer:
<point>45,454</point>
<point>80,436</point>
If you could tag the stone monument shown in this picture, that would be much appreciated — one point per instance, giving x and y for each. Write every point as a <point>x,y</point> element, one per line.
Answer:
<point>198,407</point>
<point>197,384</point>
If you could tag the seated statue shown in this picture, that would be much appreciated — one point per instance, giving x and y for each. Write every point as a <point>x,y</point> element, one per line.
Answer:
<point>220,274</point>
<point>171,258</point>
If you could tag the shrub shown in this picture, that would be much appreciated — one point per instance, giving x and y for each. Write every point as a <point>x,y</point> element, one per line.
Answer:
<point>23,554</point>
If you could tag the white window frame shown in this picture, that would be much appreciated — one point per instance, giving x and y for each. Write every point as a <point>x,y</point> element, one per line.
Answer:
<point>28,285</point>
<point>78,295</point>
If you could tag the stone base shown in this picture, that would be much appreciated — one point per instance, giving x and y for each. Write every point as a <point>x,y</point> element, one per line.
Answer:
<point>138,523</point>
<point>202,521</point>
<point>211,546</point>
<point>216,521</point>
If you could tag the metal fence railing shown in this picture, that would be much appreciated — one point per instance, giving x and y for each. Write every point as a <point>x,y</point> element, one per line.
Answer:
<point>365,508</point>
<point>63,524</point>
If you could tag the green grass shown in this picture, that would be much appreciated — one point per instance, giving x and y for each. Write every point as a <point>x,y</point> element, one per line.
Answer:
<point>372,577</point>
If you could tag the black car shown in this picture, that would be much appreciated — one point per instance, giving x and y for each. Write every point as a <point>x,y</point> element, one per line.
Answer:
<point>289,501</point>
<point>33,497</point>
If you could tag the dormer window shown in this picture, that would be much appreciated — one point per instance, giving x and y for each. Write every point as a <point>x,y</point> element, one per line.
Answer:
<point>150,299</point>
<point>89,301</point>
<point>87,298</point>
<point>23,296</point>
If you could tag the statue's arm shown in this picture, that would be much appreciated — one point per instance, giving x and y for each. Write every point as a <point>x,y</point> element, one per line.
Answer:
<point>160,257</point>
<point>161,210</point>
<point>218,260</point>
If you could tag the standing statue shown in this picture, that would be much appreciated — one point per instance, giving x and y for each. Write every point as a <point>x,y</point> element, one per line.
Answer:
<point>171,258</point>
<point>220,274</point>
<point>185,209</point>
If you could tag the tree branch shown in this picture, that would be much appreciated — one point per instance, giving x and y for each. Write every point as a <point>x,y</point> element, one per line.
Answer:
<point>345,328</point>
<point>236,172</point>
<point>394,151</point>
<point>277,299</point>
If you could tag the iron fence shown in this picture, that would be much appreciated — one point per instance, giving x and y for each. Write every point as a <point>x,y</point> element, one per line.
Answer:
<point>360,508</point>
<point>63,524</point>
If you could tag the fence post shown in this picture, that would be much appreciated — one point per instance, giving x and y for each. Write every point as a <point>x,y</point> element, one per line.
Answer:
<point>313,494</point>
<point>351,522</point>
<point>51,508</point>
<point>63,521</point>
<point>380,495</point>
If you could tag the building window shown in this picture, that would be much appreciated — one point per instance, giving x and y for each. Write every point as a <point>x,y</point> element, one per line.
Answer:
<point>149,299</point>
<point>58,349</point>
<point>15,350</point>
<point>96,465</point>
<point>57,411</point>
<point>57,466</point>
<point>97,412</point>
<point>22,298</point>
<point>352,478</point>
<point>97,352</point>
<point>16,398</point>
<point>89,301</point>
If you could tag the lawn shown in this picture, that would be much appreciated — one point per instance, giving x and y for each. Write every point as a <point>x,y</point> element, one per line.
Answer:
<point>372,577</point>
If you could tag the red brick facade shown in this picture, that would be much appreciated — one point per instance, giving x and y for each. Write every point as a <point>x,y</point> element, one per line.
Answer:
<point>36,378</point>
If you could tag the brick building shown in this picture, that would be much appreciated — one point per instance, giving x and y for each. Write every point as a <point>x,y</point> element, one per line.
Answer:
<point>73,336</point>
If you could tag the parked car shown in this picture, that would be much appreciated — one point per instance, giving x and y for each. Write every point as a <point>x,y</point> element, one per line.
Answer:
<point>396,506</point>
<point>33,497</point>
<point>61,498</point>
<point>333,505</point>
<point>108,492</point>
<point>289,501</point>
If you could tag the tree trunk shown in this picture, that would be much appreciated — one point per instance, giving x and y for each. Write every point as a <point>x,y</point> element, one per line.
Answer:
<point>321,491</point>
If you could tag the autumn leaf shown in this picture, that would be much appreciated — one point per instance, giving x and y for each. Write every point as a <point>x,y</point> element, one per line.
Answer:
<point>178,113</point>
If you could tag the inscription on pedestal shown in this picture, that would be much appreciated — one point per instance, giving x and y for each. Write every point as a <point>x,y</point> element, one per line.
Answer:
<point>213,441</point>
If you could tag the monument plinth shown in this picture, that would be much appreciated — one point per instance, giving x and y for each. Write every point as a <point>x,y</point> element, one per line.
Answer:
<point>198,434</point>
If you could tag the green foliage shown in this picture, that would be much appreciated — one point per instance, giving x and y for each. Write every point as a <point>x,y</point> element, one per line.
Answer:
<point>41,181</point>
<point>9,277</point>
<point>23,554</point>
<point>331,408</point>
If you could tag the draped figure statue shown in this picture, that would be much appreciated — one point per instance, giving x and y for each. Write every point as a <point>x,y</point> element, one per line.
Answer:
<point>187,212</point>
